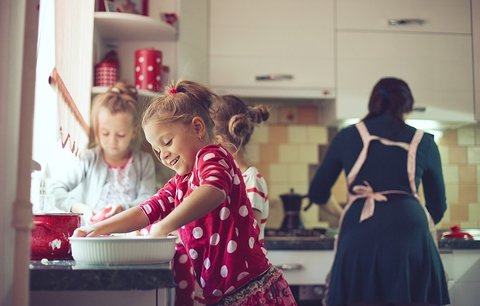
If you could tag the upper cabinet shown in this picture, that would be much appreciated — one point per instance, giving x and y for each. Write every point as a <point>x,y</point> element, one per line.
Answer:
<point>272,48</point>
<point>427,43</point>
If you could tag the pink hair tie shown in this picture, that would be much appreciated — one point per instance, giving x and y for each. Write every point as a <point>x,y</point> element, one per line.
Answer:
<point>173,91</point>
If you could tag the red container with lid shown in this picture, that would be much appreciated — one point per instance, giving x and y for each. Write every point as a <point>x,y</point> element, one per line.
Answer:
<point>457,233</point>
<point>106,73</point>
<point>148,69</point>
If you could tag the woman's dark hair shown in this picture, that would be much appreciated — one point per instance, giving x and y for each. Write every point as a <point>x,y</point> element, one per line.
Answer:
<point>390,96</point>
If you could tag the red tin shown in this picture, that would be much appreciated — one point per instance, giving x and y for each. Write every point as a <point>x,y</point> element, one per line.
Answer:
<point>148,69</point>
<point>106,74</point>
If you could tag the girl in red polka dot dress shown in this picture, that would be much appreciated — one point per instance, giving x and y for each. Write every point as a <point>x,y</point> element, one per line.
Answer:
<point>206,201</point>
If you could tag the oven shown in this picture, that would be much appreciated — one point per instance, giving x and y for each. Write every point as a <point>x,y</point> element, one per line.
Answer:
<point>305,257</point>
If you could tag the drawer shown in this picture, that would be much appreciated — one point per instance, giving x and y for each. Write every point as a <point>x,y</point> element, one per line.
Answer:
<point>439,16</point>
<point>303,267</point>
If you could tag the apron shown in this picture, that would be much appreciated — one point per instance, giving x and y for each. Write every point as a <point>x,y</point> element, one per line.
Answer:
<point>366,191</point>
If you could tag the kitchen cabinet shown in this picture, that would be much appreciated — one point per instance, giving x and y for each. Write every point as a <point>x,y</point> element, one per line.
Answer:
<point>57,281</point>
<point>125,33</point>
<point>427,43</point>
<point>463,271</point>
<point>303,267</point>
<point>272,48</point>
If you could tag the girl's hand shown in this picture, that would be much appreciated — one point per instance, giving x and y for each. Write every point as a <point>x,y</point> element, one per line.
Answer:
<point>114,209</point>
<point>157,230</point>
<point>83,231</point>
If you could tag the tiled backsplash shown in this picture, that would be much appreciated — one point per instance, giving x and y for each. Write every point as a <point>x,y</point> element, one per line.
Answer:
<point>289,146</point>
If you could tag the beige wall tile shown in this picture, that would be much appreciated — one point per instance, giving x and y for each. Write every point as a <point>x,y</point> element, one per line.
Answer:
<point>317,135</point>
<point>308,153</point>
<point>339,190</point>
<point>297,134</point>
<point>444,153</point>
<point>278,173</point>
<point>288,153</point>
<point>269,153</point>
<point>273,117</point>
<point>298,173</point>
<point>457,155</point>
<point>450,173</point>
<point>253,152</point>
<point>467,193</point>
<point>466,136</point>
<point>264,169</point>
<point>468,174</point>
<point>452,192</point>
<point>308,114</point>
<point>459,213</point>
<point>478,183</point>
<point>275,215</point>
<point>446,215</point>
<point>277,134</point>
<point>260,134</point>
<point>288,114</point>
<point>473,155</point>
<point>474,212</point>
<point>449,137</point>
<point>279,188</point>
<point>468,224</point>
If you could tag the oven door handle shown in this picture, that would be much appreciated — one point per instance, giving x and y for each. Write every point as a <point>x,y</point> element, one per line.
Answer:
<point>290,267</point>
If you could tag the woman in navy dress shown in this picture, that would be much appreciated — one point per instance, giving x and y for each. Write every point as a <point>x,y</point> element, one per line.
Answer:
<point>385,251</point>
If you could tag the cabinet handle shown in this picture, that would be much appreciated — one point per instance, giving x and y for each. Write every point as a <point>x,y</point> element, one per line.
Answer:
<point>420,109</point>
<point>289,267</point>
<point>405,21</point>
<point>273,77</point>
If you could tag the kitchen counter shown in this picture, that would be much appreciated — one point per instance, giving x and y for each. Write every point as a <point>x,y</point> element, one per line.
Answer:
<point>58,275</point>
<point>459,244</point>
<point>296,243</point>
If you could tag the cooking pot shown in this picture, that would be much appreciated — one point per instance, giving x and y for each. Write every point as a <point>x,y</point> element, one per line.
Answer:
<point>457,233</point>
<point>50,235</point>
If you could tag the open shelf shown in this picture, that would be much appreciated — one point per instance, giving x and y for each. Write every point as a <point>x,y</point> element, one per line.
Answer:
<point>113,26</point>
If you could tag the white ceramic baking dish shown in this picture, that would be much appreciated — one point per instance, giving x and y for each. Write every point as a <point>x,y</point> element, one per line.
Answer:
<point>122,250</point>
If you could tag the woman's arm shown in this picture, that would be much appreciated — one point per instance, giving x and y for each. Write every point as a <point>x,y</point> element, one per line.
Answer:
<point>326,175</point>
<point>433,183</point>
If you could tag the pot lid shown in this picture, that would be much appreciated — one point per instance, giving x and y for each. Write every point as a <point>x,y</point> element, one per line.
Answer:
<point>456,233</point>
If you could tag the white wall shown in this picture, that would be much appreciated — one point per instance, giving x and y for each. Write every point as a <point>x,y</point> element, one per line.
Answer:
<point>12,17</point>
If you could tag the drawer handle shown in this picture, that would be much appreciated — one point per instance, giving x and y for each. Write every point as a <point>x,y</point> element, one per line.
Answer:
<point>405,21</point>
<point>290,267</point>
<point>273,77</point>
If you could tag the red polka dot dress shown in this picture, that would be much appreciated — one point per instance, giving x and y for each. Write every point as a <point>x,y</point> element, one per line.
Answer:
<point>222,246</point>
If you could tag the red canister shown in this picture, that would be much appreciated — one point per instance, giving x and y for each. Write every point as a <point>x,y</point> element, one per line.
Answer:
<point>106,74</point>
<point>148,69</point>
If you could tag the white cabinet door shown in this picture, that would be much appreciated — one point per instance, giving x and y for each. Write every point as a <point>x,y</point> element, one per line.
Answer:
<point>434,16</point>
<point>438,68</point>
<point>303,267</point>
<point>272,47</point>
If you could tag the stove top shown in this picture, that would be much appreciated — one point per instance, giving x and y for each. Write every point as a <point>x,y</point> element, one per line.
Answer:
<point>300,233</point>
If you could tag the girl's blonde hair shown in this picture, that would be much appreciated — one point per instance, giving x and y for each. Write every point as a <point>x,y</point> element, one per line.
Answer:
<point>181,102</point>
<point>120,98</point>
<point>235,120</point>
